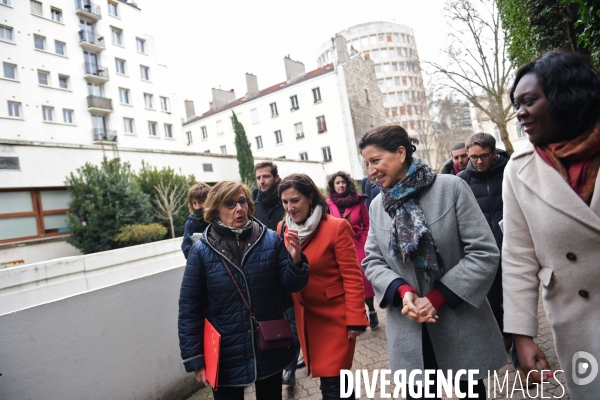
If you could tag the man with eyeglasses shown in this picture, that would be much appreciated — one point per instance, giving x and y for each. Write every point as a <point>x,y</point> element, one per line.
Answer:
<point>484,174</point>
<point>458,162</point>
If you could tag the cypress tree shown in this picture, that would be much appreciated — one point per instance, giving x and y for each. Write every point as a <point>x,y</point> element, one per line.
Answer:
<point>244,154</point>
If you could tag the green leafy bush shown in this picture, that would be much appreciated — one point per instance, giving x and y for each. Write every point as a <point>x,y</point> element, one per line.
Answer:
<point>104,198</point>
<point>131,235</point>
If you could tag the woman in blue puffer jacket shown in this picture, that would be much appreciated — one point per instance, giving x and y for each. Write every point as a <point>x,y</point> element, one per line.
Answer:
<point>264,270</point>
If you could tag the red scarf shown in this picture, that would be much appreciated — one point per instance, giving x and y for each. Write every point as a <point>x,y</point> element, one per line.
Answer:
<point>456,170</point>
<point>346,200</point>
<point>577,161</point>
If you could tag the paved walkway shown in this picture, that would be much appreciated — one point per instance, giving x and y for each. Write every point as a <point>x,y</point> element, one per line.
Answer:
<point>371,354</point>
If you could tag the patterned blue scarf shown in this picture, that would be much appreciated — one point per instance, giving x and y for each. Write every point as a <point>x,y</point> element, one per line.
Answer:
<point>410,235</point>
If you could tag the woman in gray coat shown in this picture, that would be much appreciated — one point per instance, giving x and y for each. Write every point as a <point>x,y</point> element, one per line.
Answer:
<point>430,250</point>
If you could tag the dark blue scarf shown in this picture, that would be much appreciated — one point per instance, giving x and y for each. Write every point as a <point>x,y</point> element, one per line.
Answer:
<point>410,235</point>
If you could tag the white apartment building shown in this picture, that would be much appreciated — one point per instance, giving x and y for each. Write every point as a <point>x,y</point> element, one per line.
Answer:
<point>393,49</point>
<point>314,116</point>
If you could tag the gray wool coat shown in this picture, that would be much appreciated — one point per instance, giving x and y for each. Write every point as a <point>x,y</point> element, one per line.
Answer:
<point>468,336</point>
<point>552,237</point>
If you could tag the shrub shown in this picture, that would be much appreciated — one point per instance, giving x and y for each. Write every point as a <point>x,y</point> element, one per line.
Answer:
<point>131,235</point>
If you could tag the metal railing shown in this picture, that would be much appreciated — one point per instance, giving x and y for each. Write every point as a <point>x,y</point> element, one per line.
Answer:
<point>103,134</point>
<point>88,6</point>
<point>99,102</point>
<point>92,38</point>
<point>95,69</point>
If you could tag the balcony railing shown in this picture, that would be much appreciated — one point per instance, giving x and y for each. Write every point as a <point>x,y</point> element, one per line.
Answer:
<point>88,7</point>
<point>91,38</point>
<point>96,70</point>
<point>99,102</point>
<point>104,135</point>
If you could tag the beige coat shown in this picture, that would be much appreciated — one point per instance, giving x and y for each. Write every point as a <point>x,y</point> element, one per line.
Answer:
<point>552,237</point>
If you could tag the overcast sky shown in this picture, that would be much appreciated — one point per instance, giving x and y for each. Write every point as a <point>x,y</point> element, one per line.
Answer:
<point>209,44</point>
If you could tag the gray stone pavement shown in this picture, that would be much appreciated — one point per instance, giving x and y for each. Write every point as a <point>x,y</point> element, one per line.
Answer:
<point>371,354</point>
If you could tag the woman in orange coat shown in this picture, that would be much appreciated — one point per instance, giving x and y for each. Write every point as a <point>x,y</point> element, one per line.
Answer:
<point>330,311</point>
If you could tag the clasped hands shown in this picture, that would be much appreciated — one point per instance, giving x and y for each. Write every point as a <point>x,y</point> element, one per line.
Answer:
<point>418,308</point>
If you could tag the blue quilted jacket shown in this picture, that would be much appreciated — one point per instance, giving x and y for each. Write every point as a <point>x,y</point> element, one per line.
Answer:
<point>267,272</point>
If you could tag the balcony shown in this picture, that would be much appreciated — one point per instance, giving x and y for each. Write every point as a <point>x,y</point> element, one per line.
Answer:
<point>91,41</point>
<point>99,105</point>
<point>87,9</point>
<point>95,73</point>
<point>103,135</point>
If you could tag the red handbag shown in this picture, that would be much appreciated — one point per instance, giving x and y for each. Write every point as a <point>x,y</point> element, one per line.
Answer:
<point>273,334</point>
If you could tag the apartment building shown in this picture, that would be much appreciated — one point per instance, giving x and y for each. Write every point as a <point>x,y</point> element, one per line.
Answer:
<point>313,116</point>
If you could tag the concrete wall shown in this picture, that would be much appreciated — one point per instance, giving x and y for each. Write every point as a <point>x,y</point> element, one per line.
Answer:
<point>34,252</point>
<point>119,342</point>
<point>39,283</point>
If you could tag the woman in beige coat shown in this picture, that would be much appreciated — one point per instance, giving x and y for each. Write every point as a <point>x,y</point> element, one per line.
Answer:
<point>552,218</point>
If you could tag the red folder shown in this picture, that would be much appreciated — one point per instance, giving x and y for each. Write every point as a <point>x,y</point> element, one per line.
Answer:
<point>212,353</point>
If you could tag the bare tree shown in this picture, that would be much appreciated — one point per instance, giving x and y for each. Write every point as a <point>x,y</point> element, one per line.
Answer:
<point>478,66</point>
<point>451,123</point>
<point>168,201</point>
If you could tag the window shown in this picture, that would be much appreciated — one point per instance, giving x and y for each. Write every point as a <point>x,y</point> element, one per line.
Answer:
<point>380,83</point>
<point>204,132</point>
<point>116,35</point>
<point>316,94</point>
<point>326,153</point>
<point>254,115</point>
<point>397,81</point>
<point>25,214</point>
<point>39,42</point>
<point>140,45</point>
<point>56,14</point>
<point>274,112</point>
<point>169,131</point>
<point>278,138</point>
<point>63,81</point>
<point>259,144</point>
<point>384,53</point>
<point>43,78</point>
<point>404,81</point>
<point>59,47</point>
<point>223,149</point>
<point>304,156</point>
<point>231,123</point>
<point>386,67</point>
<point>381,37</point>
<point>36,7</point>
<point>375,53</point>
<point>152,128</point>
<point>67,116</point>
<point>148,99</point>
<point>112,9</point>
<point>399,96</point>
<point>294,101</point>
<point>164,103</point>
<point>48,113</point>
<point>6,33</point>
<point>124,96</point>
<point>389,82</point>
<point>10,71</point>
<point>207,167</point>
<point>128,125</point>
<point>321,125</point>
<point>219,127</point>
<point>5,2</point>
<point>384,98</point>
<point>299,130</point>
<point>378,69</point>
<point>120,66</point>
<point>189,138</point>
<point>14,109</point>
<point>145,73</point>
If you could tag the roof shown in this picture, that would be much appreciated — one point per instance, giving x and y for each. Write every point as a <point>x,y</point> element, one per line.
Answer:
<point>272,89</point>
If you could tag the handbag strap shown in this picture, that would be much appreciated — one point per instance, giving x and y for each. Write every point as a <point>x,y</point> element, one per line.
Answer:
<point>238,289</point>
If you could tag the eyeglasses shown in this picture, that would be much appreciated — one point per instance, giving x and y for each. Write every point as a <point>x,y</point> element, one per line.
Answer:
<point>483,157</point>
<point>231,204</point>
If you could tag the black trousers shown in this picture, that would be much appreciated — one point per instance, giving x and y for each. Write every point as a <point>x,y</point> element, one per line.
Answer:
<point>330,388</point>
<point>431,363</point>
<point>266,389</point>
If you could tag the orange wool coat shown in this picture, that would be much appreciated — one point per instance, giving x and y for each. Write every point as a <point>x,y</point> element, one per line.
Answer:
<point>332,300</point>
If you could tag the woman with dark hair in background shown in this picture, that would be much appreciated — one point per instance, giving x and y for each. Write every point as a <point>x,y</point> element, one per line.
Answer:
<point>330,311</point>
<point>345,203</point>
<point>430,250</point>
<point>195,221</point>
<point>262,270</point>
<point>552,217</point>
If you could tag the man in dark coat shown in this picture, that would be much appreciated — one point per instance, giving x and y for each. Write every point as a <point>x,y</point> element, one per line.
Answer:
<point>484,174</point>
<point>366,187</point>
<point>269,210</point>
<point>458,162</point>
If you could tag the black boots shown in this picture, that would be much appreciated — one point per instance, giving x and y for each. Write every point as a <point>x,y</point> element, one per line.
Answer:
<point>330,389</point>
